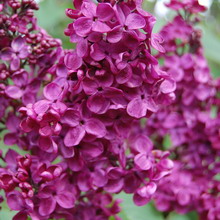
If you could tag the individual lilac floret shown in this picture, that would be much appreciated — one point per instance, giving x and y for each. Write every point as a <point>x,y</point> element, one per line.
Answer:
<point>18,50</point>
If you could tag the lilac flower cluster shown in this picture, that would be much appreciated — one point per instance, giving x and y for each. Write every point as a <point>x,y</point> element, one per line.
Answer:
<point>191,122</point>
<point>26,52</point>
<point>75,111</point>
<point>55,195</point>
<point>93,120</point>
<point>188,6</point>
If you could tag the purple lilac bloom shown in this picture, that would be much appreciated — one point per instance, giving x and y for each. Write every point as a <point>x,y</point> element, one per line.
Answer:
<point>188,121</point>
<point>83,132</point>
<point>86,114</point>
<point>17,51</point>
<point>26,51</point>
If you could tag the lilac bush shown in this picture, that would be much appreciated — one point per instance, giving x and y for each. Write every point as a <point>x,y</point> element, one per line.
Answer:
<point>80,113</point>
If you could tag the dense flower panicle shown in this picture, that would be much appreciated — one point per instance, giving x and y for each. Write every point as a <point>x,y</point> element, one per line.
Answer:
<point>46,190</point>
<point>77,112</point>
<point>26,52</point>
<point>191,121</point>
<point>117,56</point>
<point>80,128</point>
<point>190,6</point>
<point>183,191</point>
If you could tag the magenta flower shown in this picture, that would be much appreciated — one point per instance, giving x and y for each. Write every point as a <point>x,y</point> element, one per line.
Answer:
<point>143,195</point>
<point>79,126</point>
<point>96,119</point>
<point>103,12</point>
<point>56,193</point>
<point>188,5</point>
<point>49,173</point>
<point>139,106</point>
<point>7,182</point>
<point>18,50</point>
<point>143,145</point>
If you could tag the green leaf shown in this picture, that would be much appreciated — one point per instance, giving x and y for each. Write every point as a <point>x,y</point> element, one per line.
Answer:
<point>53,19</point>
<point>189,216</point>
<point>211,44</point>
<point>214,111</point>
<point>167,143</point>
<point>123,216</point>
<point>193,215</point>
<point>132,212</point>
<point>50,13</point>
<point>212,47</point>
<point>6,213</point>
<point>175,216</point>
<point>217,177</point>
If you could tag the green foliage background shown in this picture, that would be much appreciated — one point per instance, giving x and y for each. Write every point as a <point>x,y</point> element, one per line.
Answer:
<point>51,16</point>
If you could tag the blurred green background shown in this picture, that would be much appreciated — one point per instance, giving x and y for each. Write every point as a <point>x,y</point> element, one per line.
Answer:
<point>51,16</point>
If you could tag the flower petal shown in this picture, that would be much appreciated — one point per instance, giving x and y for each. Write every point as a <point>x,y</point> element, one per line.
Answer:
<point>83,26</point>
<point>96,53</point>
<point>143,144</point>
<point>135,21</point>
<point>147,190</point>
<point>88,9</point>
<point>114,185</point>
<point>47,206</point>
<point>52,91</point>
<point>139,200</point>
<point>81,47</point>
<point>66,199</point>
<point>18,43</point>
<point>72,61</point>
<point>23,53</point>
<point>41,106</point>
<point>98,104</point>
<point>6,54</point>
<point>156,41</point>
<point>124,75</point>
<point>167,86</point>
<point>20,216</point>
<point>47,144</point>
<point>10,139</point>
<point>104,12</point>
<point>61,71</point>
<point>92,150</point>
<point>115,35</point>
<point>100,27</point>
<point>137,108</point>
<point>71,118</point>
<point>142,161</point>
<point>99,178</point>
<point>15,201</point>
<point>183,197</point>
<point>76,163</point>
<point>13,92</point>
<point>95,127</point>
<point>90,86</point>
<point>15,63</point>
<point>74,136</point>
